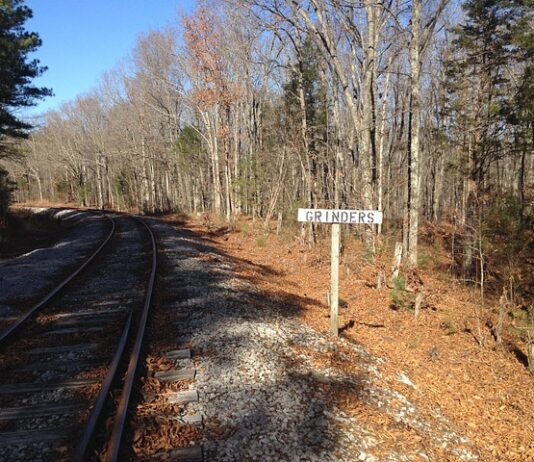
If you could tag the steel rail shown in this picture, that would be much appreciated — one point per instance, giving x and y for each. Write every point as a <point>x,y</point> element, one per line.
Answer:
<point>112,452</point>
<point>83,445</point>
<point>8,333</point>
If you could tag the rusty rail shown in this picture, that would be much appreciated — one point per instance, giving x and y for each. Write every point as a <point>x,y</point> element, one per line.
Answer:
<point>112,452</point>
<point>83,445</point>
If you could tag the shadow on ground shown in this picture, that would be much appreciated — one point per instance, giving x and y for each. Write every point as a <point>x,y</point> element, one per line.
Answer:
<point>268,384</point>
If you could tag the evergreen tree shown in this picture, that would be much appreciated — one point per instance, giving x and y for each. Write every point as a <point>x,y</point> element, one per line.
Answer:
<point>6,188</point>
<point>478,75</point>
<point>521,111</point>
<point>482,105</point>
<point>16,70</point>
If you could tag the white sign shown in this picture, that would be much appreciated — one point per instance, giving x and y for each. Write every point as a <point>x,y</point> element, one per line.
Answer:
<point>336,217</point>
<point>371,217</point>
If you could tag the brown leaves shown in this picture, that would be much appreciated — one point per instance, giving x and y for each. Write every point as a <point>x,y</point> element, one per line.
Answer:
<point>486,395</point>
<point>205,43</point>
<point>153,435</point>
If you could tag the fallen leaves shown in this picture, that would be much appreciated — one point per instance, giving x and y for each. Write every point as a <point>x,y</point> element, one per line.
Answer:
<point>486,393</point>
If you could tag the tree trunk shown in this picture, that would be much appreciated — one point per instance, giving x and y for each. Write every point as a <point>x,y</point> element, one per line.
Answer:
<point>367,141</point>
<point>99,185</point>
<point>414,195</point>
<point>215,163</point>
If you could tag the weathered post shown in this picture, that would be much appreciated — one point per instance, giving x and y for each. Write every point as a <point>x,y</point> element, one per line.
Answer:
<point>334,280</point>
<point>337,217</point>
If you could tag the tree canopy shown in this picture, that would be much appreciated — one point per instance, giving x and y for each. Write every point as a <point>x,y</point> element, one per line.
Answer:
<point>17,70</point>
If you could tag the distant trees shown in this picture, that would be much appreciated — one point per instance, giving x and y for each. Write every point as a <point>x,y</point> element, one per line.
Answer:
<point>265,106</point>
<point>6,188</point>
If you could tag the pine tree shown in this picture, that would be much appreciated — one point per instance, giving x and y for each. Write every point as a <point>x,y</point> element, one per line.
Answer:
<point>521,110</point>
<point>479,100</point>
<point>304,100</point>
<point>16,70</point>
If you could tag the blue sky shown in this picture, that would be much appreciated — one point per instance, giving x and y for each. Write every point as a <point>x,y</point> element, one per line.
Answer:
<point>84,38</point>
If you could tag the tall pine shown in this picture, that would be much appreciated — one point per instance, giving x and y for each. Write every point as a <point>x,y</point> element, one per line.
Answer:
<point>479,85</point>
<point>17,70</point>
<point>521,110</point>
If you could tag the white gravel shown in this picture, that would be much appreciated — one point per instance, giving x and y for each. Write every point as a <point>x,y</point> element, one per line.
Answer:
<point>34,272</point>
<point>257,386</point>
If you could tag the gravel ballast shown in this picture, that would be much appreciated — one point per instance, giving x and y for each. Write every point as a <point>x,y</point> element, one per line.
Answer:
<point>50,376</point>
<point>36,272</point>
<point>268,384</point>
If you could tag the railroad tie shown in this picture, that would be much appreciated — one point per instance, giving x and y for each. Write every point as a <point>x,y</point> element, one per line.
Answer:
<point>40,410</point>
<point>41,435</point>
<point>93,314</point>
<point>35,387</point>
<point>175,375</point>
<point>64,349</point>
<point>63,365</point>
<point>189,454</point>
<point>75,330</point>
<point>194,419</point>
<point>181,397</point>
<point>178,354</point>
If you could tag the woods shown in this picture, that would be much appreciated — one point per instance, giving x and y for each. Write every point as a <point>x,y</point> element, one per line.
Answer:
<point>409,123</point>
<point>258,107</point>
<point>16,89</point>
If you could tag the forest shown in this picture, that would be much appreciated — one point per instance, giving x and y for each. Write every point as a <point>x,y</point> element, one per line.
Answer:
<point>420,109</point>
<point>219,127</point>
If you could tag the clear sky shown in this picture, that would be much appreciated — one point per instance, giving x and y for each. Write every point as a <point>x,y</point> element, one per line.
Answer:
<point>84,38</point>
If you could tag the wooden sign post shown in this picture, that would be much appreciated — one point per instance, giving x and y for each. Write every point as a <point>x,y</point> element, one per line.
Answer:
<point>334,278</point>
<point>337,217</point>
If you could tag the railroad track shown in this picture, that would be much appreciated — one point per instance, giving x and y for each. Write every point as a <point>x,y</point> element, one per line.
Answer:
<point>63,358</point>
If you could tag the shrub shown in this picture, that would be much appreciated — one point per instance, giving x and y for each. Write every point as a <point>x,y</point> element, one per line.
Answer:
<point>402,299</point>
<point>261,241</point>
<point>423,260</point>
<point>448,324</point>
